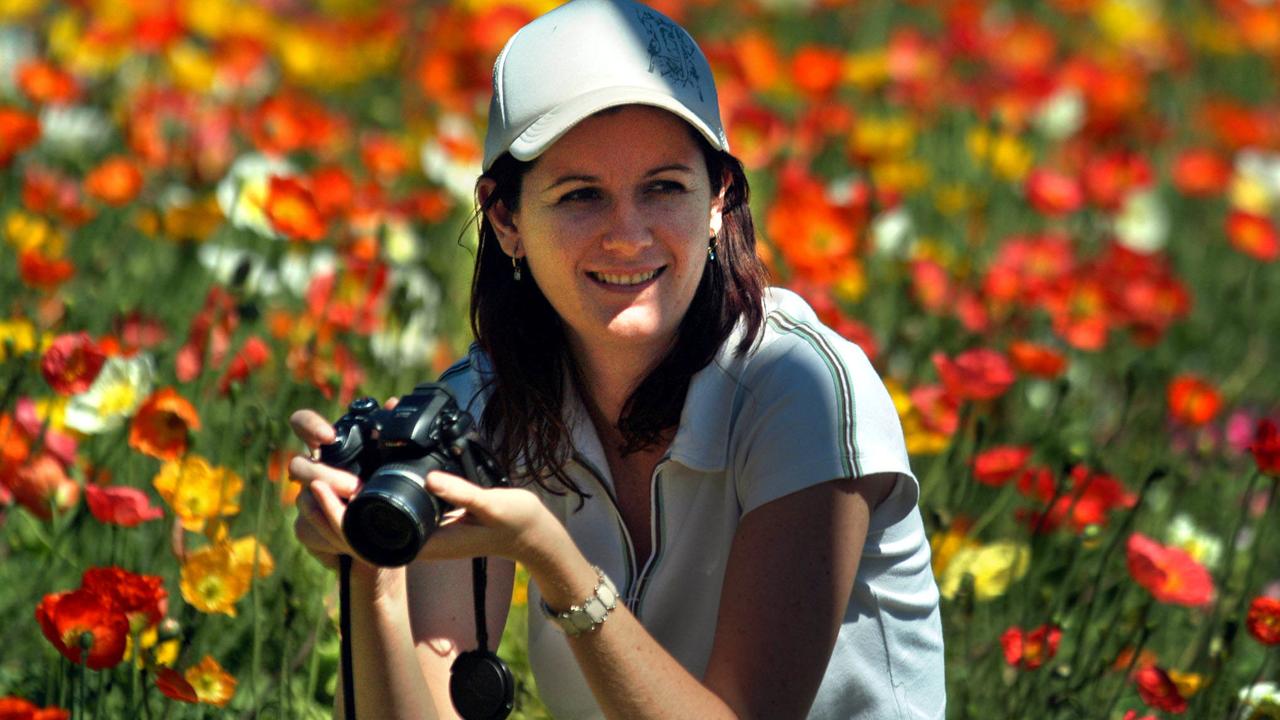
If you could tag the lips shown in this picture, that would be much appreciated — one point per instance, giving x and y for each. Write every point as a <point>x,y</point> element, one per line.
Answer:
<point>626,279</point>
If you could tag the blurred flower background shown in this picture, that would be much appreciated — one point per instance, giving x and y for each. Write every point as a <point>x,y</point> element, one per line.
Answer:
<point>1052,226</point>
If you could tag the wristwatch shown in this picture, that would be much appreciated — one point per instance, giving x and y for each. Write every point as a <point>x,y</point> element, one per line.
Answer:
<point>590,613</point>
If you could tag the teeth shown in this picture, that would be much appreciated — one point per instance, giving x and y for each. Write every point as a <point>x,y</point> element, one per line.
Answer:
<point>633,279</point>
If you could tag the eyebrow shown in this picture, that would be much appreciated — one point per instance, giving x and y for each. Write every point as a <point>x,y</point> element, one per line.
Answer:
<point>575,177</point>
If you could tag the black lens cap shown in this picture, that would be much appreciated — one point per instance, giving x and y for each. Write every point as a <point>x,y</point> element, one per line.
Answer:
<point>481,686</point>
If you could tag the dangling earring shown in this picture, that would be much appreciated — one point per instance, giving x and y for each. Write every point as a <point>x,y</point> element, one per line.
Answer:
<point>515,268</point>
<point>711,249</point>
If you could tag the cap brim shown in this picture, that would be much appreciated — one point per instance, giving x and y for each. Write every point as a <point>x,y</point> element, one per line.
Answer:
<point>552,125</point>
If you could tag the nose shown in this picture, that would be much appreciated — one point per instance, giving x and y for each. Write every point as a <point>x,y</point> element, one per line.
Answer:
<point>628,232</point>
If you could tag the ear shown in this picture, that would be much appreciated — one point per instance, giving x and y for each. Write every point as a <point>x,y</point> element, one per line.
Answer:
<point>500,217</point>
<point>717,212</point>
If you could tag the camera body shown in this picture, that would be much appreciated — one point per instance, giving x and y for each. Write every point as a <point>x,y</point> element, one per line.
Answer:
<point>391,450</point>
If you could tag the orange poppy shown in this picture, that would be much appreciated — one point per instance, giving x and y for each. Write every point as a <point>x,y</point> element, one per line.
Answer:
<point>1253,235</point>
<point>16,708</point>
<point>1201,172</point>
<point>18,131</point>
<point>817,70</point>
<point>292,210</point>
<point>384,156</point>
<point>116,181</point>
<point>1036,359</point>
<point>71,363</point>
<point>1170,574</point>
<point>44,82</point>
<point>332,190</point>
<point>1192,400</point>
<point>66,617</point>
<point>162,425</point>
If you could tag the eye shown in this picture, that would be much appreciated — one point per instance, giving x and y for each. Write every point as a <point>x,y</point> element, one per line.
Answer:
<point>666,187</point>
<point>583,194</point>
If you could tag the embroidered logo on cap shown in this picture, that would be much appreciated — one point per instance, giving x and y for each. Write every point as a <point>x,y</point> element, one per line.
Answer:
<point>671,52</point>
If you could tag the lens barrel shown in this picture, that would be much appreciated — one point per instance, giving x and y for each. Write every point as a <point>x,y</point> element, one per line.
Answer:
<point>391,516</point>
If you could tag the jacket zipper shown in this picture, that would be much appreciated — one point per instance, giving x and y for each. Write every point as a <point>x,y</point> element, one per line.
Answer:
<point>622,527</point>
<point>655,543</point>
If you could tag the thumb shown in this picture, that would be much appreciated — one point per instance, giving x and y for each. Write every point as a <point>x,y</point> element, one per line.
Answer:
<point>452,489</point>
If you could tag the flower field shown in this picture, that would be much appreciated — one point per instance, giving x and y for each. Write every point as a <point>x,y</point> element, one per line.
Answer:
<point>1054,227</point>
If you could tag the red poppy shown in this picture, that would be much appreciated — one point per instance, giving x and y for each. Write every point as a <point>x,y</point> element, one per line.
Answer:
<point>71,363</point>
<point>757,135</point>
<point>1029,650</point>
<point>18,131</point>
<point>1053,193</point>
<point>41,484</point>
<point>162,425</point>
<point>997,465</point>
<point>142,598</point>
<point>1263,620</point>
<point>1266,447</point>
<point>67,617</point>
<point>119,505</point>
<point>931,286</point>
<point>1092,498</point>
<point>174,686</point>
<point>1158,690</point>
<point>980,374</point>
<point>1170,574</point>
<point>1110,178</point>
<point>1037,483</point>
<point>1036,359</point>
<point>1192,400</point>
<point>292,210</point>
<point>1201,172</point>
<point>16,708</point>
<point>42,272</point>
<point>117,181</point>
<point>1253,235</point>
<point>253,354</point>
<point>1133,715</point>
<point>939,411</point>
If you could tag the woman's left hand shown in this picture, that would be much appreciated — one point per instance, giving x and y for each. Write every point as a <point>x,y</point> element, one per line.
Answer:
<point>503,522</point>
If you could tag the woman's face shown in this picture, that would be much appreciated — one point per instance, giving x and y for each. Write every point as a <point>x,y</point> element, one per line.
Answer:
<point>614,221</point>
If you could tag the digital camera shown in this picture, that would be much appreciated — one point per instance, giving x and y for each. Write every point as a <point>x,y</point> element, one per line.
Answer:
<point>391,450</point>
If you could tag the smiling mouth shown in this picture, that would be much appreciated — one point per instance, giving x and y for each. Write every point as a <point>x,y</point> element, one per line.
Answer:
<point>628,279</point>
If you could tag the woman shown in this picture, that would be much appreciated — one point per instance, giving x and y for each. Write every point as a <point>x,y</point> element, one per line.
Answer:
<point>680,436</point>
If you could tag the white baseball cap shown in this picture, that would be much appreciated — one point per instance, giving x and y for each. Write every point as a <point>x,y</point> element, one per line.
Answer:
<point>589,55</point>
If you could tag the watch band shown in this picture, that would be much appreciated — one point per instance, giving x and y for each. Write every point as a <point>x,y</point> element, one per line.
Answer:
<point>590,613</point>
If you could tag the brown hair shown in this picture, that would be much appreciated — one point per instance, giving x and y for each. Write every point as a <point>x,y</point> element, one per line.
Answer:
<point>523,337</point>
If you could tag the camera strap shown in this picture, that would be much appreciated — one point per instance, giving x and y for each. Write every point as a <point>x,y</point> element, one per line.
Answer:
<point>344,629</point>
<point>481,686</point>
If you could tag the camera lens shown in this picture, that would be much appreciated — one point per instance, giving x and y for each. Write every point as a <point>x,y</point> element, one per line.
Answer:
<point>391,516</point>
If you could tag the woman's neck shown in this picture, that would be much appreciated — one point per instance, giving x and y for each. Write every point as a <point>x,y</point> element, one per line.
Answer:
<point>609,376</point>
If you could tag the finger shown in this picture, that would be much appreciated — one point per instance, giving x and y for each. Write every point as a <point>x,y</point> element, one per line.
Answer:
<point>315,523</point>
<point>307,471</point>
<point>453,489</point>
<point>312,428</point>
<point>391,403</point>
